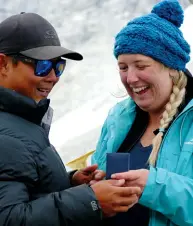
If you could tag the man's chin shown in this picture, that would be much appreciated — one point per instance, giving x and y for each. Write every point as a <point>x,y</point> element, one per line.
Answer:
<point>37,100</point>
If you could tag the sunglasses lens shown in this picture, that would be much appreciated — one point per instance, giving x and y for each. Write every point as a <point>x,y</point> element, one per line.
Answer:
<point>43,68</point>
<point>60,66</point>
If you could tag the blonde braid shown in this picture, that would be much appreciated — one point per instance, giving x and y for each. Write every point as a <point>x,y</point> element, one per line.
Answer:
<point>176,98</point>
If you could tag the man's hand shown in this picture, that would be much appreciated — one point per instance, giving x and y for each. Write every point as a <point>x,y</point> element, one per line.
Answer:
<point>84,176</point>
<point>114,198</point>
<point>98,175</point>
<point>133,178</point>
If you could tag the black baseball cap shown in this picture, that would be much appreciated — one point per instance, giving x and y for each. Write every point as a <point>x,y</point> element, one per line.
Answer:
<point>33,36</point>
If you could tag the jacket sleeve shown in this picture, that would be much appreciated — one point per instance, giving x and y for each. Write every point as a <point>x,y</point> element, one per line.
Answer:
<point>170,194</point>
<point>73,206</point>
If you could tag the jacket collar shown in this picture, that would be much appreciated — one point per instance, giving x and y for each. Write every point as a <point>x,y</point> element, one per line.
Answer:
<point>121,118</point>
<point>17,104</point>
<point>47,120</point>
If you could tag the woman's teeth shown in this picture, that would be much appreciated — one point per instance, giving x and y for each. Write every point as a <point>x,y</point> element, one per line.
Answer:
<point>138,90</point>
<point>43,90</point>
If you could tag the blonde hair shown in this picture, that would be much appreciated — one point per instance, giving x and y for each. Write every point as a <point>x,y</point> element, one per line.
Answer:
<point>171,109</point>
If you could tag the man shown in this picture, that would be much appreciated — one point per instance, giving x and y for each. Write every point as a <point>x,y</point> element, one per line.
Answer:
<point>35,188</point>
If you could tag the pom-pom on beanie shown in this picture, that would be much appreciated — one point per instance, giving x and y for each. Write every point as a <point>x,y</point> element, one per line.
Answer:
<point>156,35</point>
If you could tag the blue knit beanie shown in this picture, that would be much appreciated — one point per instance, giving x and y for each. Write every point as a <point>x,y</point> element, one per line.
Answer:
<point>156,35</point>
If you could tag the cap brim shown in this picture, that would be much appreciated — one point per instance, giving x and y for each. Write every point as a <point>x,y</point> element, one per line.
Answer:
<point>51,52</point>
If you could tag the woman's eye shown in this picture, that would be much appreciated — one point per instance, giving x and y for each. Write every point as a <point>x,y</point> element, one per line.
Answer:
<point>123,68</point>
<point>141,67</point>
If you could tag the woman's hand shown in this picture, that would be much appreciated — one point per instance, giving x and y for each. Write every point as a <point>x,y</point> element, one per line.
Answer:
<point>133,178</point>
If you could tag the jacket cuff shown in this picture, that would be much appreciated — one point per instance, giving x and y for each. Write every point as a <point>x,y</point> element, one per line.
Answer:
<point>154,184</point>
<point>82,204</point>
<point>70,175</point>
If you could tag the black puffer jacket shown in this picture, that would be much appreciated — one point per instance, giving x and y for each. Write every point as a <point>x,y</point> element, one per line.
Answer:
<point>34,185</point>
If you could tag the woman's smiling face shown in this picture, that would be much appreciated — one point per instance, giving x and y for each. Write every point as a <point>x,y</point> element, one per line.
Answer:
<point>147,81</point>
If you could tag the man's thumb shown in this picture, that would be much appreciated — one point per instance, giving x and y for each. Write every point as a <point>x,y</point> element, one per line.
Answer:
<point>90,169</point>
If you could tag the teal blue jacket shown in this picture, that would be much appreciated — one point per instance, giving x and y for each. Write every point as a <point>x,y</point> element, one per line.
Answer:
<point>169,189</point>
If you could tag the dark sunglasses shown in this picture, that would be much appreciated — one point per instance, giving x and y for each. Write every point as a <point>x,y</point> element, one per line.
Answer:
<point>43,67</point>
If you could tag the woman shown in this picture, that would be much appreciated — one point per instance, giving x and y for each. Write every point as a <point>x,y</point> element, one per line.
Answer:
<point>155,123</point>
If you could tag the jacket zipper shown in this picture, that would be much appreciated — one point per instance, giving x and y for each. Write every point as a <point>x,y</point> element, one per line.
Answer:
<point>187,111</point>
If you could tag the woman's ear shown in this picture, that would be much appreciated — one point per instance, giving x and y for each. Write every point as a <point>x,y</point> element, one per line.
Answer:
<point>172,73</point>
<point>4,64</point>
